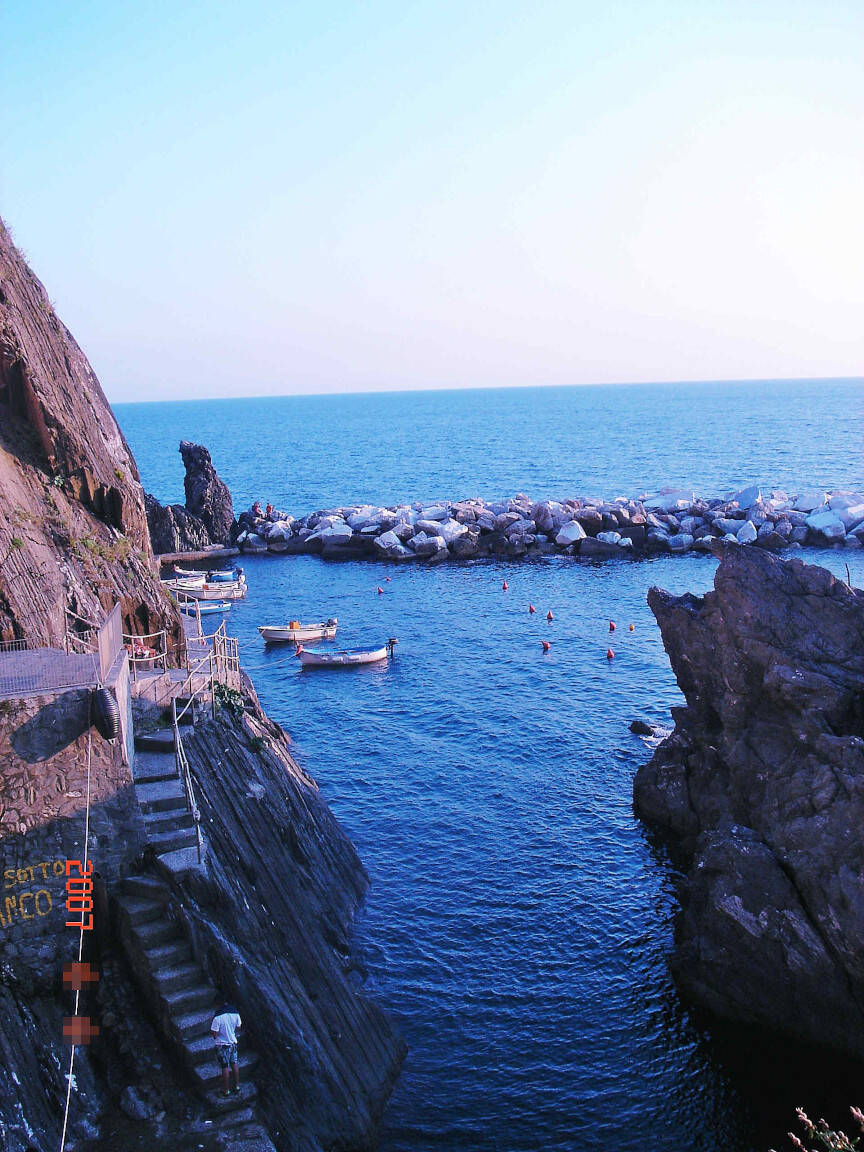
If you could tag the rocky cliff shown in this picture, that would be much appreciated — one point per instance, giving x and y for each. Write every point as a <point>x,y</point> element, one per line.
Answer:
<point>74,531</point>
<point>759,792</point>
<point>207,518</point>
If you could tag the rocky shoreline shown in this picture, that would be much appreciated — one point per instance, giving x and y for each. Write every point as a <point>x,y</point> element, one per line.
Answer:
<point>674,521</point>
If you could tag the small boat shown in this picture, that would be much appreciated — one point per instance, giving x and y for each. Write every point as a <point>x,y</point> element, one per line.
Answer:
<point>206,607</point>
<point>297,633</point>
<point>189,574</point>
<point>347,658</point>
<point>212,576</point>
<point>205,591</point>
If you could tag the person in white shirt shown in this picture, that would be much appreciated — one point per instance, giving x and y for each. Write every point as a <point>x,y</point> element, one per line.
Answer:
<point>224,1029</point>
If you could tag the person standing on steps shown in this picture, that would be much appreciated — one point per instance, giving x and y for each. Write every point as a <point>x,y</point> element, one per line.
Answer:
<point>226,1024</point>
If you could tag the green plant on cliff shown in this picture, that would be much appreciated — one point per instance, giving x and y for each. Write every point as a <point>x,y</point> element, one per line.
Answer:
<point>228,698</point>
<point>821,1138</point>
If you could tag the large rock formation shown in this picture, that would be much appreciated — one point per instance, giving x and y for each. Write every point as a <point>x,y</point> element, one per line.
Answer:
<point>759,792</point>
<point>205,520</point>
<point>73,531</point>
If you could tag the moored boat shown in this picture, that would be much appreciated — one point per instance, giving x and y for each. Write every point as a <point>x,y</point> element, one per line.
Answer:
<point>297,633</point>
<point>346,658</point>
<point>205,607</point>
<point>186,589</point>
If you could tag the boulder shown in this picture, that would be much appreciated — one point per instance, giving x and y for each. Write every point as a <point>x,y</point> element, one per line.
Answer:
<point>450,530</point>
<point>809,500</point>
<point>337,533</point>
<point>746,533</point>
<point>746,496</point>
<point>403,530</point>
<point>681,542</point>
<point>827,524</point>
<point>668,501</point>
<point>390,547</point>
<point>466,547</point>
<point>570,533</point>
<point>436,512</point>
<point>426,546</point>
<point>594,546</point>
<point>542,516</point>
<point>609,537</point>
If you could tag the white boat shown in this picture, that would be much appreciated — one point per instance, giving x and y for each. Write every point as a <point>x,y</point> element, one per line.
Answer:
<point>186,589</point>
<point>206,606</point>
<point>298,633</point>
<point>347,658</point>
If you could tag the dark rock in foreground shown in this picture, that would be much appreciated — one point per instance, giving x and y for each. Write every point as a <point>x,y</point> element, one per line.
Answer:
<point>760,793</point>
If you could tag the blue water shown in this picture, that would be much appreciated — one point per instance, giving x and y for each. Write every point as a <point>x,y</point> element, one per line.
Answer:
<point>518,924</point>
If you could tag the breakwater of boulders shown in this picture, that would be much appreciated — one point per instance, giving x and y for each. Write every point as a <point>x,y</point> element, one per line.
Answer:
<point>670,521</point>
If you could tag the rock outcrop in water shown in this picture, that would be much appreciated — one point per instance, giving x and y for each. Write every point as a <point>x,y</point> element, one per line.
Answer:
<point>207,519</point>
<point>73,531</point>
<point>759,792</point>
<point>673,521</point>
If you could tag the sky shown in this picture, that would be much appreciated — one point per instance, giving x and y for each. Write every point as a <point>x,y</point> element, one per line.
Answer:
<point>228,199</point>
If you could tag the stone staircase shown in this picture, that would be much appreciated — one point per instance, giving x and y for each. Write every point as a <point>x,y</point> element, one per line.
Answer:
<point>162,799</point>
<point>178,992</point>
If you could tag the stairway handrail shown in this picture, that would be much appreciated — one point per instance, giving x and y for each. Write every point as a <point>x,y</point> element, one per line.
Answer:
<point>185,775</point>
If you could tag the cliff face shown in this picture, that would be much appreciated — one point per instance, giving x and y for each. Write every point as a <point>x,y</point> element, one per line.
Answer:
<point>272,925</point>
<point>74,530</point>
<point>760,793</point>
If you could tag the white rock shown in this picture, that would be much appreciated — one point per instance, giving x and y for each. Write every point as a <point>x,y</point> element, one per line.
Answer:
<point>746,496</point>
<point>362,516</point>
<point>281,530</point>
<point>436,512</point>
<point>337,533</point>
<point>747,533</point>
<point>810,499</point>
<point>430,527</point>
<point>669,501</point>
<point>570,533</point>
<point>828,524</point>
<point>625,542</point>
<point>424,545</point>
<point>609,537</point>
<point>451,530</point>
<point>851,515</point>
<point>841,500</point>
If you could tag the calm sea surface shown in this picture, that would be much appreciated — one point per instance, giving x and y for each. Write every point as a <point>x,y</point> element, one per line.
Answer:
<point>518,924</point>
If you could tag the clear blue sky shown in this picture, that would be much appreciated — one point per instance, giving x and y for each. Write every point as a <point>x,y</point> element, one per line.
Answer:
<point>276,197</point>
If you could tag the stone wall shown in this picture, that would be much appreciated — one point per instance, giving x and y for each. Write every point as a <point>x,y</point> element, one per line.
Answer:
<point>44,746</point>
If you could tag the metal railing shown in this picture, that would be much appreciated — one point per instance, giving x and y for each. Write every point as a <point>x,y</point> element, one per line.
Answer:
<point>27,669</point>
<point>183,770</point>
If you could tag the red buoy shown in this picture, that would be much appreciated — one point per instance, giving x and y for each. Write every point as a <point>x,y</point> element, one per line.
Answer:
<point>380,590</point>
<point>546,645</point>
<point>632,627</point>
<point>531,608</point>
<point>504,586</point>
<point>299,649</point>
<point>549,615</point>
<point>610,655</point>
<point>611,625</point>
<point>386,579</point>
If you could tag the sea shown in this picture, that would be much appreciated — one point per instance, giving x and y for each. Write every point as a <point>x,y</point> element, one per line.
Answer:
<point>519,922</point>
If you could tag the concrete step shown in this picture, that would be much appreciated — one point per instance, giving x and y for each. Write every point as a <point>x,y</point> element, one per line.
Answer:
<point>157,823</point>
<point>156,932</point>
<point>161,795</point>
<point>185,1002</point>
<point>181,861</point>
<point>171,954</point>
<point>171,841</point>
<point>140,910</point>
<point>200,1049</point>
<point>159,741</point>
<point>222,1105</point>
<point>152,767</point>
<point>178,978</point>
<point>192,1024</point>
<point>148,887</point>
<point>210,1073</point>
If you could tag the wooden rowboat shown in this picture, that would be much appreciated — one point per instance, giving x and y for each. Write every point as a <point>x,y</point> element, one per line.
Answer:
<point>347,658</point>
<point>296,633</point>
